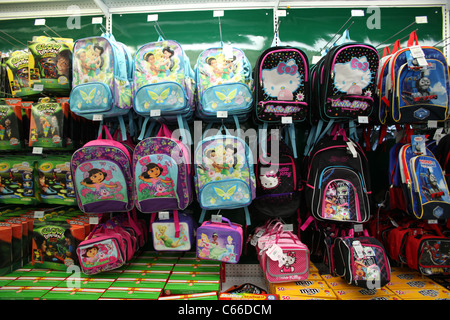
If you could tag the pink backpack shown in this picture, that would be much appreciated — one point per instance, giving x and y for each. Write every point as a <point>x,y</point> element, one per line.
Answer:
<point>282,256</point>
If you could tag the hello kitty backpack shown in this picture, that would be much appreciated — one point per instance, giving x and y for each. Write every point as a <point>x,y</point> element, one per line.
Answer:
<point>345,82</point>
<point>281,85</point>
<point>278,183</point>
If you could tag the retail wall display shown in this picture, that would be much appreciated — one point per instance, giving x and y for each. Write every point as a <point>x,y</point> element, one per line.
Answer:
<point>282,85</point>
<point>163,82</point>
<point>101,171</point>
<point>162,173</point>
<point>223,80</point>
<point>17,180</point>
<point>424,186</point>
<point>173,232</point>
<point>220,240</point>
<point>11,130</point>
<point>50,64</point>
<point>345,82</point>
<point>17,67</point>
<point>102,70</point>
<point>224,175</point>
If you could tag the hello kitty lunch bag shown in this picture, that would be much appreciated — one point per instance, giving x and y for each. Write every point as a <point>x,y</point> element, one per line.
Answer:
<point>281,85</point>
<point>344,82</point>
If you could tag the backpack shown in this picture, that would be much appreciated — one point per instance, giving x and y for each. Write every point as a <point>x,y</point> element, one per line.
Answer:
<point>417,87</point>
<point>281,87</point>
<point>223,79</point>
<point>101,79</point>
<point>101,171</point>
<point>278,185</point>
<point>424,186</point>
<point>162,173</point>
<point>224,176</point>
<point>361,260</point>
<point>344,83</point>
<point>337,180</point>
<point>163,88</point>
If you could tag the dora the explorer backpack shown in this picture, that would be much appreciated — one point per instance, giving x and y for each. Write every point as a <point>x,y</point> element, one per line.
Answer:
<point>281,87</point>
<point>162,173</point>
<point>224,176</point>
<point>101,171</point>
<point>101,79</point>
<point>223,80</point>
<point>163,82</point>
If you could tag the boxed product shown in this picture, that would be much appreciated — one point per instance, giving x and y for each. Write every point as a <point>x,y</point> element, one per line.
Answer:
<point>356,293</point>
<point>139,283</point>
<point>422,294</point>
<point>86,283</point>
<point>17,180</point>
<point>195,296</point>
<point>11,131</point>
<point>247,296</point>
<point>151,274</point>
<point>132,293</point>
<point>37,282</point>
<point>73,294</point>
<point>413,284</point>
<point>176,287</point>
<point>23,293</point>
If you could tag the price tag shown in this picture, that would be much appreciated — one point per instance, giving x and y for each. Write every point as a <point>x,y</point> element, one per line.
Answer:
<point>222,114</point>
<point>227,52</point>
<point>37,150</point>
<point>286,120</point>
<point>352,149</point>
<point>275,253</point>
<point>281,13</point>
<point>38,87</point>
<point>97,117</point>
<point>358,249</point>
<point>155,113</point>
<point>363,119</point>
<point>357,13</point>
<point>97,20</point>
<point>93,220</point>
<point>288,227</point>
<point>39,22</point>
<point>316,59</point>
<point>38,214</point>
<point>432,221</point>
<point>256,237</point>
<point>417,53</point>
<point>218,13</point>
<point>163,215</point>
<point>358,227</point>
<point>421,19</point>
<point>432,124</point>
<point>216,218</point>
<point>152,17</point>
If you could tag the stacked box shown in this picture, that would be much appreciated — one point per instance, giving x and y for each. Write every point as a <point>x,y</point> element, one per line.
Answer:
<point>23,293</point>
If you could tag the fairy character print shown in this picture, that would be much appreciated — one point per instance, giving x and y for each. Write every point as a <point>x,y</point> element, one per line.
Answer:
<point>168,242</point>
<point>159,186</point>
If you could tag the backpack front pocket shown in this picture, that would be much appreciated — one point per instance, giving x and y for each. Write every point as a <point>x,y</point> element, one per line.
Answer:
<point>168,97</point>
<point>99,255</point>
<point>342,195</point>
<point>94,97</point>
<point>226,194</point>
<point>232,97</point>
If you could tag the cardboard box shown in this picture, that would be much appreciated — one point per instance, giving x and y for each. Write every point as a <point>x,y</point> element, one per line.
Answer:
<point>139,283</point>
<point>247,296</point>
<point>73,294</point>
<point>37,282</point>
<point>86,283</point>
<point>307,293</point>
<point>154,266</point>
<point>422,294</point>
<point>356,293</point>
<point>292,287</point>
<point>132,293</point>
<point>23,293</point>
<point>196,296</point>
<point>413,284</point>
<point>151,274</point>
<point>177,287</point>
<point>7,279</point>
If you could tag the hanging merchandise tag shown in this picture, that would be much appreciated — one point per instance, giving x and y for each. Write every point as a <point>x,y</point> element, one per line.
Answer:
<point>417,53</point>
<point>286,120</point>
<point>152,17</point>
<point>222,114</point>
<point>97,20</point>
<point>93,220</point>
<point>275,253</point>
<point>37,150</point>
<point>97,117</point>
<point>256,237</point>
<point>155,113</point>
<point>163,215</point>
<point>363,119</point>
<point>352,149</point>
<point>358,227</point>
<point>288,227</point>
<point>38,214</point>
<point>227,52</point>
<point>358,249</point>
<point>216,218</point>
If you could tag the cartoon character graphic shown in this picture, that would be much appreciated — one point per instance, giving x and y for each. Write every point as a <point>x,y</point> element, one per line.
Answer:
<point>288,264</point>
<point>281,82</point>
<point>430,186</point>
<point>436,255</point>
<point>168,242</point>
<point>203,246</point>
<point>158,185</point>
<point>95,180</point>
<point>269,180</point>
<point>45,125</point>
<point>352,77</point>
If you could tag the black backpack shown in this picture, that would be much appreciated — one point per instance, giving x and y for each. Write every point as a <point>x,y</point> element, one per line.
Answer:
<point>281,78</point>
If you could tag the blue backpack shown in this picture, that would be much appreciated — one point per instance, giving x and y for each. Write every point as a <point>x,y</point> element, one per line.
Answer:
<point>101,83</point>
<point>223,84</point>
<point>164,85</point>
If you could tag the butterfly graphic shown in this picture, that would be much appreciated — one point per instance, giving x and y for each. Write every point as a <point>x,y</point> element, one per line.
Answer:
<point>226,98</point>
<point>159,157</point>
<point>169,164</point>
<point>159,98</point>
<point>88,98</point>
<point>226,195</point>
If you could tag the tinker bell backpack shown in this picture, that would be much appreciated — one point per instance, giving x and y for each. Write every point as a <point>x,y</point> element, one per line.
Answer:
<point>163,83</point>
<point>101,171</point>
<point>224,176</point>
<point>101,86</point>
<point>223,79</point>
<point>162,173</point>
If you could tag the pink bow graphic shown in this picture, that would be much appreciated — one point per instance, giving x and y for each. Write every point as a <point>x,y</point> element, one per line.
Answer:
<point>356,64</point>
<point>284,68</point>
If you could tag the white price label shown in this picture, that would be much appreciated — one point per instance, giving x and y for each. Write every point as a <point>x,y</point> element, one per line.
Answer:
<point>93,220</point>
<point>97,117</point>
<point>288,227</point>
<point>358,249</point>
<point>275,253</point>
<point>218,13</point>
<point>163,215</point>
<point>37,150</point>
<point>357,13</point>
<point>39,214</point>
<point>97,20</point>
<point>363,119</point>
<point>316,59</point>
<point>216,218</point>
<point>227,52</point>
<point>152,17</point>
<point>432,124</point>
<point>358,227</point>
<point>39,22</point>
<point>222,114</point>
<point>286,120</point>
<point>38,87</point>
<point>155,113</point>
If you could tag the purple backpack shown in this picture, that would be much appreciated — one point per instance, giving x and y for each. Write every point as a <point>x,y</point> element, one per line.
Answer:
<point>162,173</point>
<point>101,171</point>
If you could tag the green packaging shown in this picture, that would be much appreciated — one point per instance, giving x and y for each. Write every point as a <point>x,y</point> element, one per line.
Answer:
<point>73,294</point>
<point>132,293</point>
<point>17,180</point>
<point>23,293</point>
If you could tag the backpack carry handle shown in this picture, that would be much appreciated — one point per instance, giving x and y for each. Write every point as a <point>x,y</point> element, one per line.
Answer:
<point>223,220</point>
<point>164,132</point>
<point>413,40</point>
<point>108,134</point>
<point>386,52</point>
<point>396,46</point>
